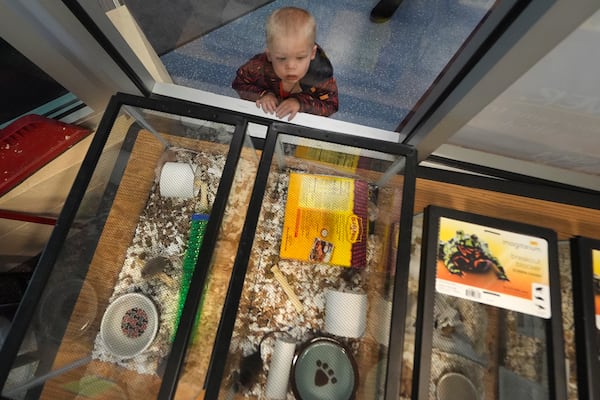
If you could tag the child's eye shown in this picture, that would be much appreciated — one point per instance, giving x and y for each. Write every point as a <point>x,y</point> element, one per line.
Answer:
<point>280,58</point>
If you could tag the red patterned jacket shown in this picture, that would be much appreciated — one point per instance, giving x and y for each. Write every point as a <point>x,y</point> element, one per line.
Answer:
<point>319,89</point>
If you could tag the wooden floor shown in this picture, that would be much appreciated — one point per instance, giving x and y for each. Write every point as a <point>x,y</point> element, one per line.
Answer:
<point>566,220</point>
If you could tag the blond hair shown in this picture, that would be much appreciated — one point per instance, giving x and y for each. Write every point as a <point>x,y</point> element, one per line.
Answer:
<point>289,21</point>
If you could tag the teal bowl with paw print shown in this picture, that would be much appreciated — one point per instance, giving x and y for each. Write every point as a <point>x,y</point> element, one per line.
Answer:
<point>324,368</point>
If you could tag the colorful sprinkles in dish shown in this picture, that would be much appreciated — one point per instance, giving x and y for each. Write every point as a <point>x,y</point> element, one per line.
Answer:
<point>134,322</point>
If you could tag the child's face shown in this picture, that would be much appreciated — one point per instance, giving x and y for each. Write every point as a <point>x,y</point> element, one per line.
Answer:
<point>291,56</point>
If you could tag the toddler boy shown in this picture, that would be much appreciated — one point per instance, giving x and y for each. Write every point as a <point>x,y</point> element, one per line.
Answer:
<point>293,74</point>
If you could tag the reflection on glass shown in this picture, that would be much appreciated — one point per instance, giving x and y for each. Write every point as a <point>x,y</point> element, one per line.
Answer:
<point>315,307</point>
<point>500,353</point>
<point>533,119</point>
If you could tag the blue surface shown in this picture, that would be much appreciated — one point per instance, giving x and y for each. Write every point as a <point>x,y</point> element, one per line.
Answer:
<point>382,70</point>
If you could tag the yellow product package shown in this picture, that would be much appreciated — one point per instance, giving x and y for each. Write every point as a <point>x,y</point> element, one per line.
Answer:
<point>326,220</point>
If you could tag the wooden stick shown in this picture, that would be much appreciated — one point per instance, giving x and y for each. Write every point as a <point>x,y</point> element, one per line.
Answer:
<point>287,288</point>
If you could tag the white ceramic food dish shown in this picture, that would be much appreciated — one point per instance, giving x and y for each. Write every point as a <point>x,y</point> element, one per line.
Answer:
<point>129,325</point>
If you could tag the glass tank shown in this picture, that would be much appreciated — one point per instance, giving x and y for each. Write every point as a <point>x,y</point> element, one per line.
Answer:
<point>489,322</point>
<point>585,255</point>
<point>311,313</point>
<point>132,254</point>
<point>195,260</point>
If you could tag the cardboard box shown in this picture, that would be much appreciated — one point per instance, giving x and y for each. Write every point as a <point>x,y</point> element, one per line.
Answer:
<point>326,220</point>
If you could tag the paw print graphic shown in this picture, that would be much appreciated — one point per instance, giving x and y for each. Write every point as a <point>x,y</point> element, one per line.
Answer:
<point>324,375</point>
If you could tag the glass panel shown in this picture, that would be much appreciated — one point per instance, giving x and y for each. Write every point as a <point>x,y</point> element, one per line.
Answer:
<point>596,286</point>
<point>585,262</point>
<point>45,96</point>
<point>493,330</point>
<point>109,312</point>
<point>382,69</point>
<point>315,306</point>
<point>191,380</point>
<point>550,115</point>
<point>486,350</point>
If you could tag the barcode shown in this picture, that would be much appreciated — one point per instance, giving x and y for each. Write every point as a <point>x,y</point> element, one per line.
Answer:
<point>473,293</point>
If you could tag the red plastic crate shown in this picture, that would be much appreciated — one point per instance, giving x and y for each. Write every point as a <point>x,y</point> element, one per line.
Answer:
<point>31,142</point>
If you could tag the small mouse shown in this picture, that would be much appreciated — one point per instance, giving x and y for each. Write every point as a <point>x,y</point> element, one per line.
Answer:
<point>155,265</point>
<point>250,366</point>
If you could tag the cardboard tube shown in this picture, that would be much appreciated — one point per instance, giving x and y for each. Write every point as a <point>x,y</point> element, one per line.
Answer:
<point>177,180</point>
<point>279,370</point>
<point>345,313</point>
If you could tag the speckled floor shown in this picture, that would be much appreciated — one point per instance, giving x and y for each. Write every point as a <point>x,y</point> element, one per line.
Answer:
<point>382,69</point>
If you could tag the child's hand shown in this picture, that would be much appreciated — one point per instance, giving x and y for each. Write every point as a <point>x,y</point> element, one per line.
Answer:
<point>288,107</point>
<point>268,102</point>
